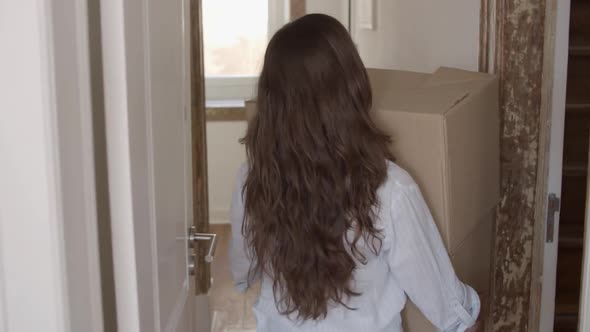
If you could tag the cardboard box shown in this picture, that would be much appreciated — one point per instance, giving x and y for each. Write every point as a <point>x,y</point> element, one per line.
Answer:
<point>445,131</point>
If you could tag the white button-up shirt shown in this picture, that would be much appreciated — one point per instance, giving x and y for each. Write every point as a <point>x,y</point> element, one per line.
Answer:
<point>413,262</point>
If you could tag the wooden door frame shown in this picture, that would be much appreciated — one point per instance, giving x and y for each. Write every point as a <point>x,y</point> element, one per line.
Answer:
<point>514,285</point>
<point>199,146</point>
<point>525,139</point>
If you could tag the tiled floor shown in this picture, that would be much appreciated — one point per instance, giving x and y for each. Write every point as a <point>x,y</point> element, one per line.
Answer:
<point>232,311</point>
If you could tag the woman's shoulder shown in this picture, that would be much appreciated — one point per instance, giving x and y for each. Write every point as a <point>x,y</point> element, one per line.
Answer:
<point>397,177</point>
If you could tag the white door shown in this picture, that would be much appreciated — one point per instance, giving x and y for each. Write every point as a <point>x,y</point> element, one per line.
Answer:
<point>49,263</point>
<point>147,101</point>
<point>555,161</point>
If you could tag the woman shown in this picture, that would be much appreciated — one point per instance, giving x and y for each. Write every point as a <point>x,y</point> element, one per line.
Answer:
<point>338,233</point>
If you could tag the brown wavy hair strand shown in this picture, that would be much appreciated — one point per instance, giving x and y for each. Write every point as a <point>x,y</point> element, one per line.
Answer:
<point>315,160</point>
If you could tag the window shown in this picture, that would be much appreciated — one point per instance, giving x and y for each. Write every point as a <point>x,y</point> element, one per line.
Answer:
<point>235,35</point>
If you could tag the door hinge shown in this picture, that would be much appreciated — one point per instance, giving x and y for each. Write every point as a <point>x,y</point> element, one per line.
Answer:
<point>553,206</point>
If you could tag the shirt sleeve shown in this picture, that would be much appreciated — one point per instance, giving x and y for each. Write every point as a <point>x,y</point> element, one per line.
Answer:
<point>240,261</point>
<point>421,264</point>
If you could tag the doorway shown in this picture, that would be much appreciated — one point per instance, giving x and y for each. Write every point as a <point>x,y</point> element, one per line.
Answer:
<point>232,59</point>
<point>229,83</point>
<point>574,176</point>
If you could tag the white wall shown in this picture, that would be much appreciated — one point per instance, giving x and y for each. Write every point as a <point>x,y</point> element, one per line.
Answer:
<point>224,156</point>
<point>416,35</point>
<point>420,35</point>
<point>335,8</point>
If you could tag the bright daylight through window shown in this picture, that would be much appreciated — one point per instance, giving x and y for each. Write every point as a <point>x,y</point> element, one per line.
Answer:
<point>236,33</point>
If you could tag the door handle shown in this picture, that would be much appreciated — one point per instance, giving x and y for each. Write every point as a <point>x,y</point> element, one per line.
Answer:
<point>194,237</point>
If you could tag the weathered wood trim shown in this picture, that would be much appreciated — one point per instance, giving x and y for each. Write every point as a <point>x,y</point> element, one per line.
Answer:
<point>519,63</point>
<point>199,146</point>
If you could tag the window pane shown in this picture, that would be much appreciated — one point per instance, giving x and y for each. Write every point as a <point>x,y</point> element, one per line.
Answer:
<point>235,36</point>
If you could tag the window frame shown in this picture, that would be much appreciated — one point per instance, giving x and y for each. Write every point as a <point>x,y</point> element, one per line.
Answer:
<point>243,87</point>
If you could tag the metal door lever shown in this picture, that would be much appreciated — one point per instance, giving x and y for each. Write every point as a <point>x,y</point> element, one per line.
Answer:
<point>194,236</point>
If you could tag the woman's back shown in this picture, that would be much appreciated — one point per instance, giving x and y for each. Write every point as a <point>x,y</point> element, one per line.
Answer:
<point>412,261</point>
<point>336,230</point>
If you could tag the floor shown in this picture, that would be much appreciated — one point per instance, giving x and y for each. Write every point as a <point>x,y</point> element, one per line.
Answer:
<point>231,310</point>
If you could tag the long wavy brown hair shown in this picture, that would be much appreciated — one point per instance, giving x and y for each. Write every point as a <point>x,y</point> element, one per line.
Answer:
<point>315,160</point>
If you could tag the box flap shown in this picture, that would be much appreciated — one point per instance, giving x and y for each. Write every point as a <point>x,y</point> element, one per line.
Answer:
<point>445,75</point>
<point>423,93</point>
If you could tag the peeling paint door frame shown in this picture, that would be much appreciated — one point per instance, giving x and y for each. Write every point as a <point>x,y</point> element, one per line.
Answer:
<point>524,42</point>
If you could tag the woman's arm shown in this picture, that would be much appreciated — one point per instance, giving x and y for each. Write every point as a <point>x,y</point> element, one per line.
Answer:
<point>240,261</point>
<point>421,265</point>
